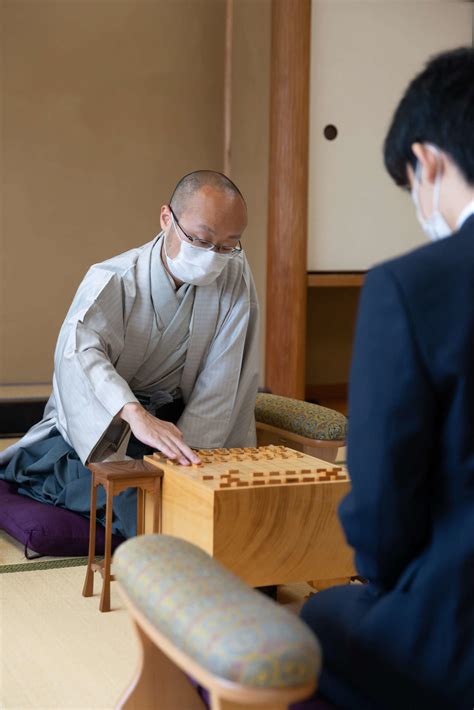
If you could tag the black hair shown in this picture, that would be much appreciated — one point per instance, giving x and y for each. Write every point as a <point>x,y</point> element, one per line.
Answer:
<point>192,182</point>
<point>438,108</point>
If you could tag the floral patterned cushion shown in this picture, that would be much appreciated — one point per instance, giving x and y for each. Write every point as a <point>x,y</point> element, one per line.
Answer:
<point>298,417</point>
<point>228,628</point>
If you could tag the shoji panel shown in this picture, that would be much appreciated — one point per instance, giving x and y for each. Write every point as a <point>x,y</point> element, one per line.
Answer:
<point>363,54</point>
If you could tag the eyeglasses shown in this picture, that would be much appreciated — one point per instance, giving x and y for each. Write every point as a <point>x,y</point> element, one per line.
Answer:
<point>208,246</point>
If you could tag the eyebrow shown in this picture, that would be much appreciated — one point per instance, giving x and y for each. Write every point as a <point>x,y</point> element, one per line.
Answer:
<point>206,228</point>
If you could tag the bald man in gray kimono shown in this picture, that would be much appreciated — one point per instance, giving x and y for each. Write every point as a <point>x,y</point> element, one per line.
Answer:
<point>159,351</point>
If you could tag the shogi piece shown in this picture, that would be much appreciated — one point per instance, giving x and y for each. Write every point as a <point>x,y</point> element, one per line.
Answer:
<point>265,529</point>
<point>116,477</point>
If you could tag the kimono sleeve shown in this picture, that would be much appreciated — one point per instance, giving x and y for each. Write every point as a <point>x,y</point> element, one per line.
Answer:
<point>88,389</point>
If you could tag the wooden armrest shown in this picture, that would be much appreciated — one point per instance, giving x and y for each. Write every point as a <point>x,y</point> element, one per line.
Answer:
<point>194,617</point>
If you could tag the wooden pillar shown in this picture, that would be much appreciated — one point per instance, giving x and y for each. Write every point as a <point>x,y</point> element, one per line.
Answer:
<point>229,20</point>
<point>288,197</point>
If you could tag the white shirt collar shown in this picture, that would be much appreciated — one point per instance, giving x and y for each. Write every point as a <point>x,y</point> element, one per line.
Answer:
<point>467,212</point>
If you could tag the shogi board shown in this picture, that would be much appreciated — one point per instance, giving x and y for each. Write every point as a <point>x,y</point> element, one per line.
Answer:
<point>269,513</point>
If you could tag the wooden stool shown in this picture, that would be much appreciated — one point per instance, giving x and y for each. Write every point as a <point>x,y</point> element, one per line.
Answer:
<point>116,477</point>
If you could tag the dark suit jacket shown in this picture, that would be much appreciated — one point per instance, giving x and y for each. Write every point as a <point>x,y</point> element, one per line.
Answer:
<point>410,515</point>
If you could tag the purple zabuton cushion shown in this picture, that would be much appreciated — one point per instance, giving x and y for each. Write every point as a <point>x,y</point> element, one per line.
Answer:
<point>46,529</point>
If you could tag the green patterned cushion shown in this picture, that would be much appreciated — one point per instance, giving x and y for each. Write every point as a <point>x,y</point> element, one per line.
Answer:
<point>301,418</point>
<point>230,629</point>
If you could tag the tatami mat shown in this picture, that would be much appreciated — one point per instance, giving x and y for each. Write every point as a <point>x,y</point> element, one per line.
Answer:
<point>12,558</point>
<point>12,553</point>
<point>57,650</point>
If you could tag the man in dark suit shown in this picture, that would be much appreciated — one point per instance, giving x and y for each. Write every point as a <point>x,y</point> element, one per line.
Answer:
<point>405,640</point>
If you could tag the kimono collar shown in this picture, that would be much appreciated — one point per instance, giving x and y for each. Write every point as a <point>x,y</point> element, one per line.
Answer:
<point>166,298</point>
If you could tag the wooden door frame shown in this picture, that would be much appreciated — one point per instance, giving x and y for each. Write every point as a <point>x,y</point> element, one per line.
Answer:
<point>288,198</point>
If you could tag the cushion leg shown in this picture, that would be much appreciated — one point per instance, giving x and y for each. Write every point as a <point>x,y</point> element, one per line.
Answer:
<point>158,678</point>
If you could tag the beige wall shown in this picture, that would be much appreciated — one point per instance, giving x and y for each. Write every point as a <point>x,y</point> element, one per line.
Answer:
<point>356,215</point>
<point>250,131</point>
<point>105,105</point>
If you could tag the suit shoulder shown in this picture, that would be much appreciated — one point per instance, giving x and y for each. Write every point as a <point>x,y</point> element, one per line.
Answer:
<point>447,260</point>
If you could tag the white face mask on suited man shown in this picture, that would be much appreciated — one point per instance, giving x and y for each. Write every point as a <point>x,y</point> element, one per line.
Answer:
<point>435,227</point>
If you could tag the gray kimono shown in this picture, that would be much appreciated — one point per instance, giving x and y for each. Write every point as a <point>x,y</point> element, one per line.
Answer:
<point>128,332</point>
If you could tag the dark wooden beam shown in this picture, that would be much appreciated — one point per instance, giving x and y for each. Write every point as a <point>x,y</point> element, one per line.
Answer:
<point>288,198</point>
<point>229,30</point>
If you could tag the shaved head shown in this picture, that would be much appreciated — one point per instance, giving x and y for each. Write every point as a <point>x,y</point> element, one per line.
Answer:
<point>198,180</point>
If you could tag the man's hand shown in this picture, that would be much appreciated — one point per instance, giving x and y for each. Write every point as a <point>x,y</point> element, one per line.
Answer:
<point>161,435</point>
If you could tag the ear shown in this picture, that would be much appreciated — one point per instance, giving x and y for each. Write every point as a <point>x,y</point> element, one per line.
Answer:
<point>165,217</point>
<point>429,159</point>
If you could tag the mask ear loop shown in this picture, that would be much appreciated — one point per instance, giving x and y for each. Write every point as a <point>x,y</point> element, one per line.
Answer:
<point>437,186</point>
<point>174,225</point>
<point>416,189</point>
<point>168,258</point>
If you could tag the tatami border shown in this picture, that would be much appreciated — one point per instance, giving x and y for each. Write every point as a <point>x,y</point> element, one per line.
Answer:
<point>46,564</point>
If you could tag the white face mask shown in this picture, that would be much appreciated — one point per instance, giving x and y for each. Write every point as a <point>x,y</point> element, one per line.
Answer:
<point>435,227</point>
<point>194,265</point>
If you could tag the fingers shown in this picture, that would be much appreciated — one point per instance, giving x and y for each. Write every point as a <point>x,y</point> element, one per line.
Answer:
<point>172,451</point>
<point>167,438</point>
<point>174,442</point>
<point>189,454</point>
<point>175,448</point>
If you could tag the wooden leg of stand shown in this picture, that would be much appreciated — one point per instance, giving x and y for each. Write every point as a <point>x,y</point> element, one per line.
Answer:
<point>105,595</point>
<point>88,589</point>
<point>158,683</point>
